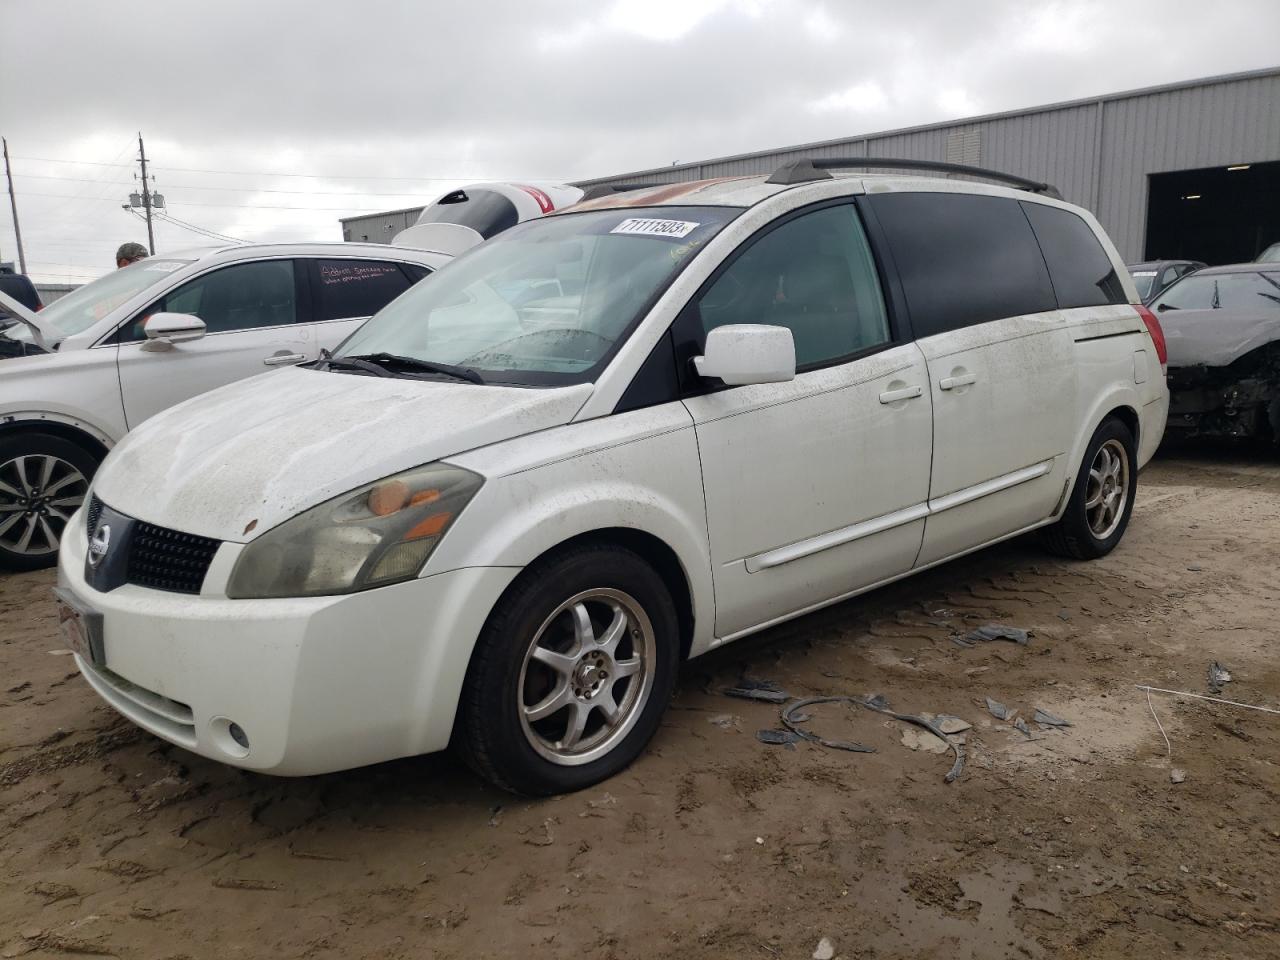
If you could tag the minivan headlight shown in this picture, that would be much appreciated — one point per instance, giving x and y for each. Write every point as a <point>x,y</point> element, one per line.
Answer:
<point>377,534</point>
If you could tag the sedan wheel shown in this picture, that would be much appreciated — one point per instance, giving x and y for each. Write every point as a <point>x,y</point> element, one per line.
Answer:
<point>38,495</point>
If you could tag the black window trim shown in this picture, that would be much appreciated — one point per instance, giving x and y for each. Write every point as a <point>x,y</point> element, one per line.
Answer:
<point>301,295</point>
<point>313,272</point>
<point>693,385</point>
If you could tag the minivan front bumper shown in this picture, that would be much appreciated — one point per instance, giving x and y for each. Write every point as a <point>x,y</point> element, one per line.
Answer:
<point>313,684</point>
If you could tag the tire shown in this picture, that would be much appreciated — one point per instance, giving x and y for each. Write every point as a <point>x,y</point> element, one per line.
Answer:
<point>35,505</point>
<point>1087,532</point>
<point>630,658</point>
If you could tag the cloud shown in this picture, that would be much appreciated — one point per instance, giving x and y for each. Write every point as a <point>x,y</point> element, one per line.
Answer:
<point>865,97</point>
<point>393,102</point>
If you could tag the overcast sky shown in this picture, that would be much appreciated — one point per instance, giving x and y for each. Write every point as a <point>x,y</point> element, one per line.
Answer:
<point>270,119</point>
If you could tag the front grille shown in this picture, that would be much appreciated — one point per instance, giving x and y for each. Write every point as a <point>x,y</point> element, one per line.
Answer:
<point>95,511</point>
<point>166,559</point>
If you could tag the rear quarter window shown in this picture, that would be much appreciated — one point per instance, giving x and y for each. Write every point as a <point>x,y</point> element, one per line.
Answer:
<point>1081,271</point>
<point>963,259</point>
<point>356,288</point>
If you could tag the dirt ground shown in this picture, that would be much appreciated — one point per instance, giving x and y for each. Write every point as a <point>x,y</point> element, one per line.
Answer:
<point>1074,843</point>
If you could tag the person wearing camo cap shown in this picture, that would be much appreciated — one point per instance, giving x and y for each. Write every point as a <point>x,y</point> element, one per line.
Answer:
<point>130,252</point>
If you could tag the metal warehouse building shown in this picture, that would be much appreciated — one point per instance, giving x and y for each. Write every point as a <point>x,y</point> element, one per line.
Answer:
<point>1185,170</point>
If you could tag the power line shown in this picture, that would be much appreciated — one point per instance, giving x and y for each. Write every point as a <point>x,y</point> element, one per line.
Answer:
<point>211,234</point>
<point>313,176</point>
<point>239,206</point>
<point>196,186</point>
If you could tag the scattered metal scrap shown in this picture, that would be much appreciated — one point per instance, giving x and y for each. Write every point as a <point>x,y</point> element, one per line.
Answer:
<point>1218,675</point>
<point>998,709</point>
<point>994,631</point>
<point>749,688</point>
<point>877,704</point>
<point>779,737</point>
<point>1049,720</point>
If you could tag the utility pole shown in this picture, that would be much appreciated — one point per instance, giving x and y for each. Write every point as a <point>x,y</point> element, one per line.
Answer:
<point>13,205</point>
<point>146,197</point>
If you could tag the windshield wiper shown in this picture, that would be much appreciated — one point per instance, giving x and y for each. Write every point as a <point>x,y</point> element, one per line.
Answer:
<point>380,364</point>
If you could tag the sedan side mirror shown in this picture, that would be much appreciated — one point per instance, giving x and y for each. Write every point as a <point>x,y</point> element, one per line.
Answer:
<point>163,330</point>
<point>744,353</point>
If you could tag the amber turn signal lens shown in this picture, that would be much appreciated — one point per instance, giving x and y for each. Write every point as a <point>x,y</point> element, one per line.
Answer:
<point>429,527</point>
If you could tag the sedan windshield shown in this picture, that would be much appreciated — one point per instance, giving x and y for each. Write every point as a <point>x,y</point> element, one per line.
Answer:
<point>546,302</point>
<point>83,307</point>
<point>1223,291</point>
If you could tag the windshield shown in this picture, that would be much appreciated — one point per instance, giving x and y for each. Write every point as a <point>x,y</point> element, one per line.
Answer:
<point>546,302</point>
<point>83,307</point>
<point>1223,291</point>
<point>1143,280</point>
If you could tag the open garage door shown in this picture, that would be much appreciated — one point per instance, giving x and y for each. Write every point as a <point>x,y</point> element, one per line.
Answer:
<point>1217,214</point>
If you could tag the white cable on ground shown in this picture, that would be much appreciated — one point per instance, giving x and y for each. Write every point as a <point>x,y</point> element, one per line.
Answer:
<point>1197,696</point>
<point>1168,746</point>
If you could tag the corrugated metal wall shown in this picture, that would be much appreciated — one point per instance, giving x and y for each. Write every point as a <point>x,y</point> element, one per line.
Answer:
<point>379,227</point>
<point>1098,152</point>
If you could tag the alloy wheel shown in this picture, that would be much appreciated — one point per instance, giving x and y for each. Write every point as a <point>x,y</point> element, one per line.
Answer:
<point>1108,489</point>
<point>586,676</point>
<point>38,495</point>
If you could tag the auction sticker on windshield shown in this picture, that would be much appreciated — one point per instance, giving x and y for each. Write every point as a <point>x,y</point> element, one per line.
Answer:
<point>649,227</point>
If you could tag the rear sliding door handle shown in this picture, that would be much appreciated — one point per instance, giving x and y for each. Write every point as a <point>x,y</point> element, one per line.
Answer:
<point>906,393</point>
<point>962,380</point>
<point>280,359</point>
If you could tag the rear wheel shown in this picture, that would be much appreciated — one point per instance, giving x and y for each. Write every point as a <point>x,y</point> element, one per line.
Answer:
<point>1102,498</point>
<point>43,481</point>
<point>571,674</point>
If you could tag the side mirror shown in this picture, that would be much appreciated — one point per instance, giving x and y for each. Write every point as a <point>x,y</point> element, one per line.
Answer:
<point>744,353</point>
<point>163,330</point>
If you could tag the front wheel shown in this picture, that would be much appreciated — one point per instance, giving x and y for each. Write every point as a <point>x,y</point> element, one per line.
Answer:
<point>43,481</point>
<point>571,674</point>
<point>1102,498</point>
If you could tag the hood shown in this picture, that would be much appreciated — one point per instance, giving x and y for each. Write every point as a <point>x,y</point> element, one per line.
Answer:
<point>267,448</point>
<point>44,335</point>
<point>1216,338</point>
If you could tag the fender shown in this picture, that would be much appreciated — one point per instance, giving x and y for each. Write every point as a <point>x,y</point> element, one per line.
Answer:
<point>516,519</point>
<point>1113,397</point>
<point>97,433</point>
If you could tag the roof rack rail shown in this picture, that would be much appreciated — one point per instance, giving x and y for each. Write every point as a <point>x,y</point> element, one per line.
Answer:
<point>809,169</point>
<point>605,189</point>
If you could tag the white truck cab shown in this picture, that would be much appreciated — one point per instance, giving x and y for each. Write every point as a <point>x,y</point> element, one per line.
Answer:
<point>604,441</point>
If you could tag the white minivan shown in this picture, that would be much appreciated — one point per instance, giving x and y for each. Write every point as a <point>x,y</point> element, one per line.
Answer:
<point>77,376</point>
<point>603,442</point>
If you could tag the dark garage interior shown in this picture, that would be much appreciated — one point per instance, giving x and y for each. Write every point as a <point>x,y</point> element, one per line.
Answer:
<point>1215,214</point>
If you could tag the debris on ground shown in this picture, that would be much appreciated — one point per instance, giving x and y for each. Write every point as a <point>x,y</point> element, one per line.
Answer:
<point>994,631</point>
<point>825,949</point>
<point>998,709</point>
<point>1177,775</point>
<point>768,696</point>
<point>779,737</point>
<point>1218,675</point>
<point>949,724</point>
<point>1049,720</point>
<point>725,721</point>
<point>914,739</point>
<point>880,705</point>
<point>1021,726</point>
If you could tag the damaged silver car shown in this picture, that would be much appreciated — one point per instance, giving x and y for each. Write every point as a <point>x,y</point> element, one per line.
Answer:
<point>1222,326</point>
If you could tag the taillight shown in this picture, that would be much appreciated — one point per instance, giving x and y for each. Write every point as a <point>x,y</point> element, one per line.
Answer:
<point>544,201</point>
<point>1157,334</point>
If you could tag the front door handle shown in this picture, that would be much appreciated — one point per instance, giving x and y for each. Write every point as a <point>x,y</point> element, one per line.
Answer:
<point>280,359</point>
<point>961,380</point>
<point>905,393</point>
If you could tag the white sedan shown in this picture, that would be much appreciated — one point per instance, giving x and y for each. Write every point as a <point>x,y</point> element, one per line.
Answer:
<point>93,365</point>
